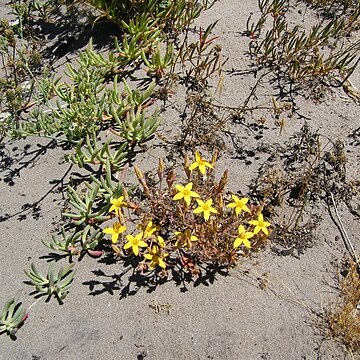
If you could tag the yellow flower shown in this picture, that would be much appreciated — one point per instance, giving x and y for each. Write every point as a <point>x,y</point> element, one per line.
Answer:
<point>149,229</point>
<point>239,204</point>
<point>117,204</point>
<point>155,258</point>
<point>201,163</point>
<point>161,241</point>
<point>115,231</point>
<point>206,208</point>
<point>243,238</point>
<point>185,238</point>
<point>260,225</point>
<point>134,242</point>
<point>185,193</point>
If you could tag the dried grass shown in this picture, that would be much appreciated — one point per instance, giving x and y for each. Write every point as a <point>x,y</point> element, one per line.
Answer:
<point>344,319</point>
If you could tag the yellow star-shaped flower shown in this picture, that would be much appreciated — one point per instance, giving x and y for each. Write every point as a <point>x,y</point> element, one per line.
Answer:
<point>185,239</point>
<point>201,163</point>
<point>239,204</point>
<point>117,204</point>
<point>115,231</point>
<point>149,229</point>
<point>155,257</point>
<point>243,238</point>
<point>134,242</point>
<point>186,193</point>
<point>205,208</point>
<point>260,225</point>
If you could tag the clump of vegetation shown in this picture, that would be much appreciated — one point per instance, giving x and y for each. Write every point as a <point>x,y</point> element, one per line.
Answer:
<point>343,319</point>
<point>334,7</point>
<point>170,16</point>
<point>320,55</point>
<point>53,283</point>
<point>187,223</point>
<point>168,226</point>
<point>307,169</point>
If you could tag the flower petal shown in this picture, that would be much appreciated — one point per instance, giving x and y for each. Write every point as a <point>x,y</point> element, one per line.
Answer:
<point>198,210</point>
<point>179,187</point>
<point>162,263</point>
<point>142,243</point>
<point>135,250</point>
<point>202,169</point>
<point>178,196</point>
<point>246,242</point>
<point>193,166</point>
<point>114,237</point>
<point>108,231</point>
<point>206,215</point>
<point>237,242</point>
<point>194,194</point>
<point>187,199</point>
<point>257,229</point>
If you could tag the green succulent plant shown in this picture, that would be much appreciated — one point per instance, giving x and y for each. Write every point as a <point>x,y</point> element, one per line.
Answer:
<point>85,209</point>
<point>137,128</point>
<point>92,153</point>
<point>53,283</point>
<point>157,62</point>
<point>63,243</point>
<point>12,316</point>
<point>108,188</point>
<point>79,243</point>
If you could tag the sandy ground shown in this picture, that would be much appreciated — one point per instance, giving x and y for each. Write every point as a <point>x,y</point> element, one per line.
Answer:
<point>227,317</point>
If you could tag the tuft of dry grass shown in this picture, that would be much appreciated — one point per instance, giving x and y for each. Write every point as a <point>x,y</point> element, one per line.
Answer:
<point>344,319</point>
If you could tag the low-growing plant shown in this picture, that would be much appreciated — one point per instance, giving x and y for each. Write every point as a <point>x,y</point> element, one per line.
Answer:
<point>299,54</point>
<point>82,242</point>
<point>12,316</point>
<point>136,128</point>
<point>135,16</point>
<point>334,7</point>
<point>298,175</point>
<point>53,283</point>
<point>181,225</point>
<point>93,153</point>
<point>157,63</point>
<point>202,59</point>
<point>85,211</point>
